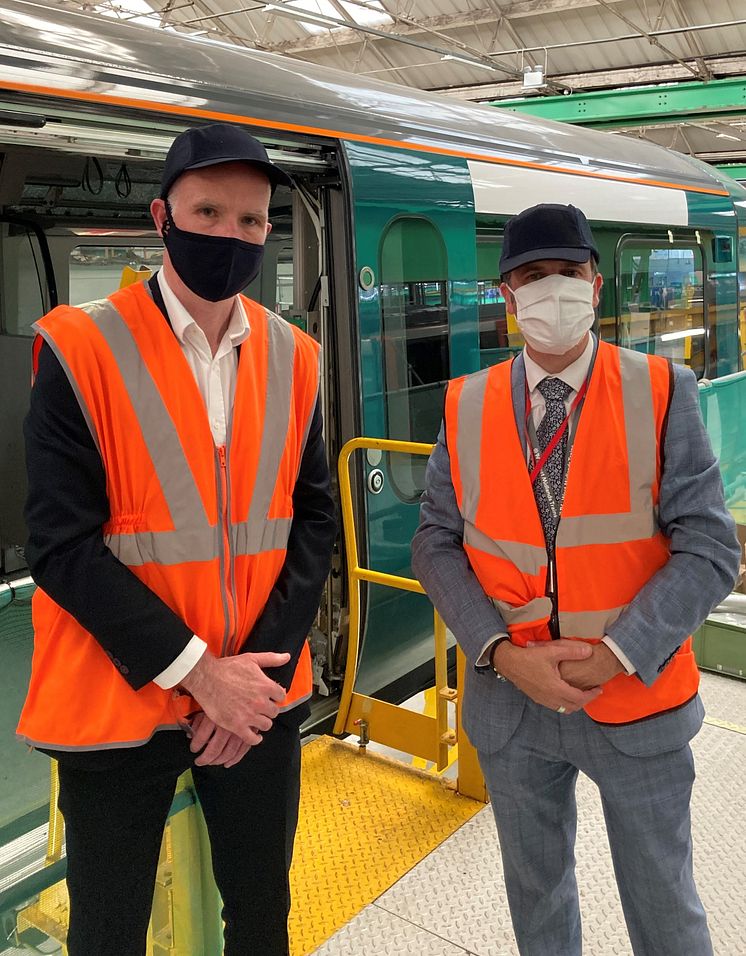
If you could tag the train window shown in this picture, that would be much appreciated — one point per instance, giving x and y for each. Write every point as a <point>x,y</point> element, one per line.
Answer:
<point>414,305</point>
<point>24,296</point>
<point>499,336</point>
<point>97,271</point>
<point>661,301</point>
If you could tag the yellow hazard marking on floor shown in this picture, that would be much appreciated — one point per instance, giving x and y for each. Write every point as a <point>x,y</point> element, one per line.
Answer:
<point>725,724</point>
<point>365,821</point>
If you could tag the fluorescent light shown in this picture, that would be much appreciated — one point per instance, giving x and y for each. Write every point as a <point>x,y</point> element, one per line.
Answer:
<point>736,139</point>
<point>296,13</point>
<point>683,334</point>
<point>463,59</point>
<point>317,15</point>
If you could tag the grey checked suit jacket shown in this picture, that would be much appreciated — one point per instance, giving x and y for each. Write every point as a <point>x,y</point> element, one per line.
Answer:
<point>699,574</point>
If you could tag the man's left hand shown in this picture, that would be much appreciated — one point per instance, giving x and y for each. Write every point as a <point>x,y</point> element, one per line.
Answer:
<point>221,747</point>
<point>600,667</point>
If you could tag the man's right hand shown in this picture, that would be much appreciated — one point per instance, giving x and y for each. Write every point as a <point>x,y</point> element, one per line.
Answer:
<point>235,692</point>
<point>535,671</point>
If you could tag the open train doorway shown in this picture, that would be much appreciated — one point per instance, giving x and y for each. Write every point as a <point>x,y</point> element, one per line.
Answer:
<point>75,226</point>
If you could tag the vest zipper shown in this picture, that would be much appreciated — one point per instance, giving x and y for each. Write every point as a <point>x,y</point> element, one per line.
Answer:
<point>226,557</point>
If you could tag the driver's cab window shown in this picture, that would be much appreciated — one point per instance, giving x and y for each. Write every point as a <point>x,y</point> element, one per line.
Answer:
<point>661,301</point>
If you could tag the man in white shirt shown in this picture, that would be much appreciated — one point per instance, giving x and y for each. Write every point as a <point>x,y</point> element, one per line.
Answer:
<point>178,642</point>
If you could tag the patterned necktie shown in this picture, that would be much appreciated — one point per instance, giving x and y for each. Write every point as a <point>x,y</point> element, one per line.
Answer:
<point>555,393</point>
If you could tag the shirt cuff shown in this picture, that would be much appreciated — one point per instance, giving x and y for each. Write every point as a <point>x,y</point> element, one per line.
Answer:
<point>177,670</point>
<point>623,659</point>
<point>484,657</point>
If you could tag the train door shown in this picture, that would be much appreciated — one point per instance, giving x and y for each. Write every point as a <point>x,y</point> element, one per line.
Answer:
<point>80,212</point>
<point>27,290</point>
<point>415,269</point>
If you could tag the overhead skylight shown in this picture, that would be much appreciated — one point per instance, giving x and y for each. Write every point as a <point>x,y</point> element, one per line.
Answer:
<point>134,11</point>
<point>371,15</point>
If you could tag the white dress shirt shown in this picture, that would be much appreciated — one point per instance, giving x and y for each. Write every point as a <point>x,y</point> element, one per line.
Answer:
<point>216,379</point>
<point>574,376</point>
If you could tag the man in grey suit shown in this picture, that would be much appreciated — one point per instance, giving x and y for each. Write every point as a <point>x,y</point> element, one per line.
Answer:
<point>581,477</point>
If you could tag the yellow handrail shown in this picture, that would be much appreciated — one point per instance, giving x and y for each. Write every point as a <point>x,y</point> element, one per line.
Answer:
<point>401,729</point>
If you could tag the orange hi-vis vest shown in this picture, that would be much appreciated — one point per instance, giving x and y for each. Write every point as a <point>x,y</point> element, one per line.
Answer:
<point>204,527</point>
<point>609,543</point>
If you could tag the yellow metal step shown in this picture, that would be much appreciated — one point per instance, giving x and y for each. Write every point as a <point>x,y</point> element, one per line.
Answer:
<point>365,821</point>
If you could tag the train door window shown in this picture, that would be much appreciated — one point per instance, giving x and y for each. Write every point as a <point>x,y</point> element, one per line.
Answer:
<point>98,270</point>
<point>414,305</point>
<point>661,301</point>
<point>24,293</point>
<point>721,304</point>
<point>499,336</point>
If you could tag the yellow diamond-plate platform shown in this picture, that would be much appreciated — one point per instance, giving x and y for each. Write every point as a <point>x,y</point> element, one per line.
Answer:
<point>365,821</point>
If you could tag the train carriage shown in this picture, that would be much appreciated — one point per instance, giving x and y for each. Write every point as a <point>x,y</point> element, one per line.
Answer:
<point>386,252</point>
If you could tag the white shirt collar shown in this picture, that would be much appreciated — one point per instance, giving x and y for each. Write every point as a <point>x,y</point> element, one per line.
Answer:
<point>182,322</point>
<point>574,375</point>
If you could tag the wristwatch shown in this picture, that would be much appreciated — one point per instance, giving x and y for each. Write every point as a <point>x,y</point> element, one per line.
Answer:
<point>495,646</point>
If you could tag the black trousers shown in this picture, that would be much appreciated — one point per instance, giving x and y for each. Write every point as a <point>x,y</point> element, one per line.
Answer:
<point>115,804</point>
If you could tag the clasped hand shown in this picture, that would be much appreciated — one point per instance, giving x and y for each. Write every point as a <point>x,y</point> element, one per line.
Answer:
<point>218,746</point>
<point>239,701</point>
<point>558,674</point>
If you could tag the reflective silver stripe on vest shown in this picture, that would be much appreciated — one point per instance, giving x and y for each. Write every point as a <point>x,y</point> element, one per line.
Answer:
<point>528,558</point>
<point>295,703</point>
<point>71,378</point>
<point>193,537</point>
<point>587,624</point>
<point>118,745</point>
<point>469,441</point>
<point>641,521</point>
<point>607,529</point>
<point>537,609</point>
<point>258,533</point>
<point>581,624</point>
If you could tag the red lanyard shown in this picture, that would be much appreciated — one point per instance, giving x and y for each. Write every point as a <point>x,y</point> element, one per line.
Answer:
<point>536,466</point>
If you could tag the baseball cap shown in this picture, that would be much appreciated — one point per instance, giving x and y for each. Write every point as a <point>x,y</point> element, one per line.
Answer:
<point>217,143</point>
<point>547,231</point>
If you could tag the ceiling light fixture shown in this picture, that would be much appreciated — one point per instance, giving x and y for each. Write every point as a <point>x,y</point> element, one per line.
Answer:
<point>463,59</point>
<point>533,78</point>
<point>682,334</point>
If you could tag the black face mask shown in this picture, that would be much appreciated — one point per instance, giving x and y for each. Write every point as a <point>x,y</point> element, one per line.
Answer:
<point>213,267</point>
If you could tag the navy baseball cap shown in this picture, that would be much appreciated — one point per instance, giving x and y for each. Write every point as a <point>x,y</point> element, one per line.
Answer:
<point>213,144</point>
<point>547,231</point>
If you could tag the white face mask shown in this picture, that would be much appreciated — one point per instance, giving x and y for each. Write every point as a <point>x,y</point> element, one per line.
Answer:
<point>555,312</point>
